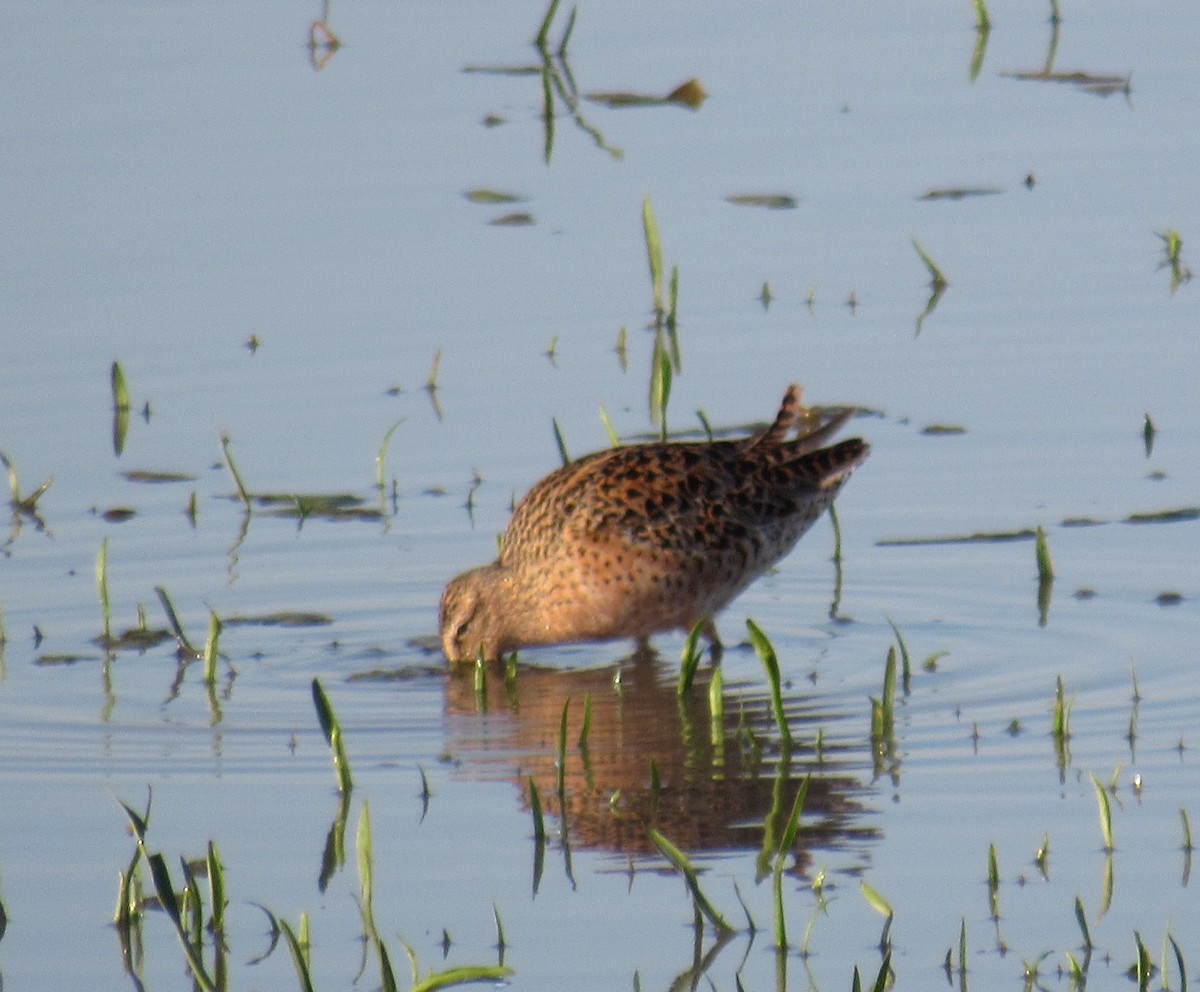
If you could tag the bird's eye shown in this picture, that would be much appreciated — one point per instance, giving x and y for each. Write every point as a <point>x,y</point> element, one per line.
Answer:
<point>461,632</point>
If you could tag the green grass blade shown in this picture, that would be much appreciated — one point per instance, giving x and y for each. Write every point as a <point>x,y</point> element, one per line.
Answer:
<point>660,383</point>
<point>463,976</point>
<point>883,978</point>
<point>299,959</point>
<point>905,660</point>
<point>681,864</point>
<point>585,728</point>
<point>561,442</point>
<point>381,454</point>
<point>211,651</point>
<point>1081,919</point>
<point>613,440</point>
<point>544,30</point>
<point>170,904</point>
<point>766,654</point>
<point>362,846</point>
<point>333,737</point>
<point>1105,810</point>
<point>216,889</point>
<point>983,23</point>
<point>653,254</point>
<point>102,590</point>
<point>1045,568</point>
<point>535,806</point>
<point>1179,964</point>
<point>561,756</point>
<point>239,485</point>
<point>120,392</point>
<point>936,279</point>
<point>875,900</point>
<point>173,621</point>
<point>689,659</point>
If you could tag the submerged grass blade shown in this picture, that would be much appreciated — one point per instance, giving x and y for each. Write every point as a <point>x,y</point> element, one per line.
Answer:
<point>766,654</point>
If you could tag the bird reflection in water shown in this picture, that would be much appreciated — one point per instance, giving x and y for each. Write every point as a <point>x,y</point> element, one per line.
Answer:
<point>653,758</point>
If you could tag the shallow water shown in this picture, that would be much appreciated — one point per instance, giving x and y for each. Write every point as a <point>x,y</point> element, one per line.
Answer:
<point>179,179</point>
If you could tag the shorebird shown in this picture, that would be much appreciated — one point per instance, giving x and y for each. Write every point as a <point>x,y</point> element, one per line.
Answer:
<point>647,538</point>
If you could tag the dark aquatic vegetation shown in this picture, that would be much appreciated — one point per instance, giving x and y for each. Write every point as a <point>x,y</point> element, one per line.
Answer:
<point>771,201</point>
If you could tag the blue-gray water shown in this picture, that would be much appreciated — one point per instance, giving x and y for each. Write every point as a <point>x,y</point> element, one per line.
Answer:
<point>179,179</point>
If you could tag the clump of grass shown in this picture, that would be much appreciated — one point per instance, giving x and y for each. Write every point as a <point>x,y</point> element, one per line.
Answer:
<point>703,907</point>
<point>184,908</point>
<point>333,737</point>
<point>766,654</point>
